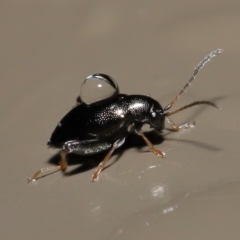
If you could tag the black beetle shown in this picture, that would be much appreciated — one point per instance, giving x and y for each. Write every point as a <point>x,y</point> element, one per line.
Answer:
<point>103,125</point>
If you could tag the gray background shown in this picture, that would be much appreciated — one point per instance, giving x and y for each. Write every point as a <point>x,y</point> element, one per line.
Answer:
<point>149,47</point>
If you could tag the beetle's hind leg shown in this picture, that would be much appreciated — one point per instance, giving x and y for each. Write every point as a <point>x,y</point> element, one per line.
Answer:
<point>102,164</point>
<point>61,167</point>
<point>82,148</point>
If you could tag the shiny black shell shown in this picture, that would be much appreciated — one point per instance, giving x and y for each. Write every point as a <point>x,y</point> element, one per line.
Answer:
<point>107,120</point>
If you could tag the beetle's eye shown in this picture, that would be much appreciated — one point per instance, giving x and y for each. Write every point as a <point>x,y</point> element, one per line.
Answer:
<point>153,114</point>
<point>98,87</point>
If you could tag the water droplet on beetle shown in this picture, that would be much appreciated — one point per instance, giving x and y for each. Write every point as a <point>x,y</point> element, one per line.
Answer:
<point>98,87</point>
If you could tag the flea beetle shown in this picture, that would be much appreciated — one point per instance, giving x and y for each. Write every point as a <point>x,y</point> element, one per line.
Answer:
<point>98,123</point>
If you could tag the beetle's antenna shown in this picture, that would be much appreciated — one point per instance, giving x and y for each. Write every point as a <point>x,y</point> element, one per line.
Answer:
<point>197,69</point>
<point>191,105</point>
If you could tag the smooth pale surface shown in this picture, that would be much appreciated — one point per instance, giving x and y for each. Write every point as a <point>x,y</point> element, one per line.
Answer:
<point>150,47</point>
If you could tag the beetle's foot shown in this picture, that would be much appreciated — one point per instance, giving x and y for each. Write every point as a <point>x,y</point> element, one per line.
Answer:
<point>183,126</point>
<point>31,180</point>
<point>96,173</point>
<point>35,176</point>
<point>95,177</point>
<point>158,152</point>
<point>46,169</point>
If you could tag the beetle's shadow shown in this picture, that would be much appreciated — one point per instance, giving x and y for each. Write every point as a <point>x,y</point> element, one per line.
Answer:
<point>89,162</point>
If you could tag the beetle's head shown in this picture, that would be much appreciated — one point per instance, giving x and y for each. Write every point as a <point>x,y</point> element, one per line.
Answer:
<point>156,117</point>
<point>146,110</point>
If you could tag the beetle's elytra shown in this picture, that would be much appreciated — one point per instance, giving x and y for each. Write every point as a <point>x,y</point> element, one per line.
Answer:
<point>102,124</point>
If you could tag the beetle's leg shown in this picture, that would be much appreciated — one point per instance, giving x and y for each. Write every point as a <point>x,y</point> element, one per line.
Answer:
<point>63,162</point>
<point>101,166</point>
<point>136,127</point>
<point>183,126</point>
<point>150,145</point>
<point>62,166</point>
<point>80,147</point>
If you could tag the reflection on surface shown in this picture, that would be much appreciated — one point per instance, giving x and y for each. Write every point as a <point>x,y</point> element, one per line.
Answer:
<point>170,209</point>
<point>158,190</point>
<point>204,213</point>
